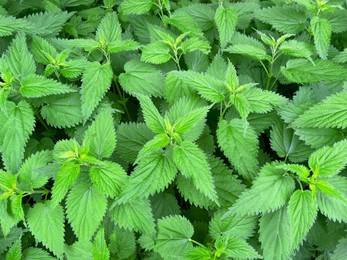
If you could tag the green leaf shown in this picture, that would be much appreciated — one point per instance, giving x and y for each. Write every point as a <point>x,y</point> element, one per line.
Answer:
<point>270,191</point>
<point>108,177</point>
<point>47,24</point>
<point>142,78</point>
<point>226,20</point>
<point>74,68</point>
<point>29,175</point>
<point>208,87</point>
<point>286,19</point>
<point>131,137</point>
<point>256,52</point>
<point>188,190</point>
<point>153,174</point>
<point>218,69</point>
<point>331,112</point>
<point>241,104</point>
<point>340,251</point>
<point>14,133</point>
<point>20,61</point>
<point>15,252</point>
<point>100,250</point>
<point>302,211</point>
<point>329,161</point>
<point>63,110</point>
<point>241,227</point>
<point>34,86</point>
<point>331,206</point>
<point>136,6</point>
<point>341,57</point>
<point>275,235</point>
<point>96,81</point>
<point>32,253</point>
<point>65,150</point>
<point>119,46</point>
<point>174,234</point>
<point>198,253</point>
<point>286,144</point>
<point>156,53</point>
<point>85,209</point>
<point>192,163</point>
<point>8,181</point>
<point>194,44</point>
<point>297,49</point>
<point>184,22</point>
<point>321,29</point>
<point>109,29</point>
<point>303,71</point>
<point>7,25</point>
<point>318,137</point>
<point>122,243</point>
<point>100,137</point>
<point>134,215</point>
<point>151,115</point>
<point>239,143</point>
<point>16,206</point>
<point>237,248</point>
<point>164,204</point>
<point>46,223</point>
<point>185,123</point>
<point>43,51</point>
<point>337,19</point>
<point>65,178</point>
<point>157,143</point>
<point>262,101</point>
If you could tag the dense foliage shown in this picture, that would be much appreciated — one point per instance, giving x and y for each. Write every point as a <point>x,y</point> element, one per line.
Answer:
<point>157,129</point>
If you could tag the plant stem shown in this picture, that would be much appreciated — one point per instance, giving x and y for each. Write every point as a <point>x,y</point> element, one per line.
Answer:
<point>196,242</point>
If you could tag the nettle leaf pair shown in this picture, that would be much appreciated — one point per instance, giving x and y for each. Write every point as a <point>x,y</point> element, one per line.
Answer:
<point>274,195</point>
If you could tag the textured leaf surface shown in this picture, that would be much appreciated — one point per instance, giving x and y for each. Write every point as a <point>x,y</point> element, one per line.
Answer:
<point>174,233</point>
<point>136,6</point>
<point>20,61</point>
<point>322,30</point>
<point>275,235</point>
<point>134,215</point>
<point>66,176</point>
<point>101,136</point>
<point>237,248</point>
<point>285,19</point>
<point>303,71</point>
<point>151,115</point>
<point>239,143</point>
<point>153,174</point>
<point>95,82</point>
<point>192,163</point>
<point>302,210</point>
<point>17,126</point>
<point>85,208</point>
<point>35,86</point>
<point>63,110</point>
<point>208,87</point>
<point>329,160</point>
<point>226,19</point>
<point>232,225</point>
<point>331,112</point>
<point>270,191</point>
<point>109,29</point>
<point>142,78</point>
<point>47,225</point>
<point>330,206</point>
<point>131,138</point>
<point>286,144</point>
<point>109,178</point>
<point>29,174</point>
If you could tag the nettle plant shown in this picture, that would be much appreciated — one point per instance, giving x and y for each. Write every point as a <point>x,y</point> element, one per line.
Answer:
<point>159,129</point>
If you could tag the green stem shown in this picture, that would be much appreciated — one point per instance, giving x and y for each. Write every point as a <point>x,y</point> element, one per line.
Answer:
<point>196,242</point>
